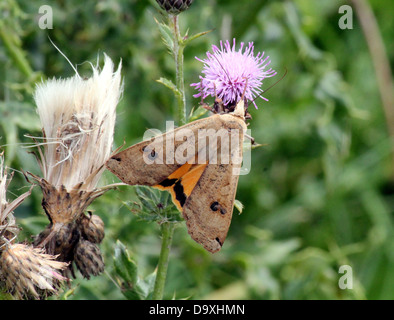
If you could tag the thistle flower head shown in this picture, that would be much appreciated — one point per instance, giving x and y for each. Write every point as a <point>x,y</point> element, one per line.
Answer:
<point>78,119</point>
<point>228,73</point>
<point>28,272</point>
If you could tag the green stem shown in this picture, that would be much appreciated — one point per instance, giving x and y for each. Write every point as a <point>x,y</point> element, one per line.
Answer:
<point>167,231</point>
<point>167,228</point>
<point>178,56</point>
<point>15,52</point>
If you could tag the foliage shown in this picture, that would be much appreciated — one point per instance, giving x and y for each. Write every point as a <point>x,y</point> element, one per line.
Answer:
<point>320,193</point>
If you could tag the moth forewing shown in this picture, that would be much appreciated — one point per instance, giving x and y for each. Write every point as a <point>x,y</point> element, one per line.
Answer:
<point>150,162</point>
<point>199,163</point>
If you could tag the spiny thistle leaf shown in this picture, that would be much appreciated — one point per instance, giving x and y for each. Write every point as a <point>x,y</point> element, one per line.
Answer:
<point>126,271</point>
<point>170,85</point>
<point>154,205</point>
<point>166,36</point>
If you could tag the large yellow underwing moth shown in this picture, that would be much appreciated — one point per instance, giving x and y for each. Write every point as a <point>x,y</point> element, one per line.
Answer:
<point>199,164</point>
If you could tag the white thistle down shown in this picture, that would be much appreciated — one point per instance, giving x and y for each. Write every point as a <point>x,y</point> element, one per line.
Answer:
<point>78,119</point>
<point>8,228</point>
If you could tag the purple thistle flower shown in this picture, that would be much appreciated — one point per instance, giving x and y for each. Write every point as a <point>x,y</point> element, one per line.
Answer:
<point>228,71</point>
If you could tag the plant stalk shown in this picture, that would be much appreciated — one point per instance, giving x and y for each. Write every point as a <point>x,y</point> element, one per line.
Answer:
<point>178,56</point>
<point>167,228</point>
<point>167,231</point>
<point>381,65</point>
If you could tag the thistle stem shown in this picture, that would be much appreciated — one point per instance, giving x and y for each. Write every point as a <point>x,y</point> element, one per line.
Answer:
<point>167,228</point>
<point>178,56</point>
<point>167,231</point>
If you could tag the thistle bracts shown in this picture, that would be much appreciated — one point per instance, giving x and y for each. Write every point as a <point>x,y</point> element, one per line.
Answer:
<point>28,272</point>
<point>78,119</point>
<point>174,6</point>
<point>25,272</point>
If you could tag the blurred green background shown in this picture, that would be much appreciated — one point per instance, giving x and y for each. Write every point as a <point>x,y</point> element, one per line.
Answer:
<point>321,190</point>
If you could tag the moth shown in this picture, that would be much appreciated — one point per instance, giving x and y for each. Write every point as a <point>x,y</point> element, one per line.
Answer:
<point>201,174</point>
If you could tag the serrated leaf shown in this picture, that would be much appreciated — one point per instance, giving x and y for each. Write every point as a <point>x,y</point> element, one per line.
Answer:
<point>166,35</point>
<point>195,36</point>
<point>154,205</point>
<point>125,267</point>
<point>170,85</point>
<point>150,283</point>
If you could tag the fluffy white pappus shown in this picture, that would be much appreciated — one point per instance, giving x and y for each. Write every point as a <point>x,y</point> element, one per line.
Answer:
<point>78,118</point>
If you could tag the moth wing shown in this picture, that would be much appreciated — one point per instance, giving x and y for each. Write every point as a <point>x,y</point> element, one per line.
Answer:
<point>209,208</point>
<point>151,161</point>
<point>133,167</point>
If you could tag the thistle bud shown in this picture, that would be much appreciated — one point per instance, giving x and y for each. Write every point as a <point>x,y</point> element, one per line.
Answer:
<point>174,6</point>
<point>92,228</point>
<point>88,259</point>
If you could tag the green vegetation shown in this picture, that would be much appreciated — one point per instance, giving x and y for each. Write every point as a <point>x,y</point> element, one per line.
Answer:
<point>321,189</point>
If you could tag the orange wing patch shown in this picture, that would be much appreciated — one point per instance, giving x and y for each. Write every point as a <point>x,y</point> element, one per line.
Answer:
<point>182,182</point>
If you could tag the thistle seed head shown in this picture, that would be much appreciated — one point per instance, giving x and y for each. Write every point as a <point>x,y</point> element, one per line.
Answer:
<point>28,272</point>
<point>78,119</point>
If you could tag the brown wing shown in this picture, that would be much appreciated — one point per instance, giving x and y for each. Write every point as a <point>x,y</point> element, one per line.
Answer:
<point>209,208</point>
<point>146,163</point>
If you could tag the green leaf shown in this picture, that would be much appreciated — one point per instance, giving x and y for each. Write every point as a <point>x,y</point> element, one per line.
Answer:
<point>187,39</point>
<point>154,205</point>
<point>125,267</point>
<point>166,35</point>
<point>238,204</point>
<point>132,286</point>
<point>170,85</point>
<point>197,113</point>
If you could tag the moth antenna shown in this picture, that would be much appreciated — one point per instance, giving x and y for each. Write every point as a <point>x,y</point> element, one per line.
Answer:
<point>264,91</point>
<point>225,71</point>
<point>246,85</point>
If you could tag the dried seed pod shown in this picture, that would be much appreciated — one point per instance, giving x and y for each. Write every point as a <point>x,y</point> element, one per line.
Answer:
<point>38,239</point>
<point>92,228</point>
<point>28,272</point>
<point>59,239</point>
<point>88,258</point>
